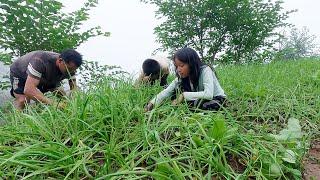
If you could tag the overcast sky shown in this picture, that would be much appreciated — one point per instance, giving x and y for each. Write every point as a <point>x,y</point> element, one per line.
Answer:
<point>131,24</point>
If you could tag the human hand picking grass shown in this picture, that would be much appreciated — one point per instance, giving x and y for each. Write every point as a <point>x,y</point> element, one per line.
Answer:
<point>74,91</point>
<point>148,107</point>
<point>178,100</point>
<point>59,104</point>
<point>59,92</point>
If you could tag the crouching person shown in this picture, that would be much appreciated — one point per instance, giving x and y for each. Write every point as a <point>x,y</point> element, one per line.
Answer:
<point>38,72</point>
<point>196,81</point>
<point>153,70</point>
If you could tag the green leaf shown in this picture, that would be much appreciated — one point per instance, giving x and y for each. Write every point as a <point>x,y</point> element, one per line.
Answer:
<point>293,131</point>
<point>197,140</point>
<point>218,130</point>
<point>297,174</point>
<point>289,157</point>
<point>171,171</point>
<point>275,170</point>
<point>238,30</point>
<point>35,25</point>
<point>178,134</point>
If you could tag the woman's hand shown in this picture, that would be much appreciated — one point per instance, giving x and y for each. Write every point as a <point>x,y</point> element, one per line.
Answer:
<point>148,107</point>
<point>174,102</point>
<point>178,100</point>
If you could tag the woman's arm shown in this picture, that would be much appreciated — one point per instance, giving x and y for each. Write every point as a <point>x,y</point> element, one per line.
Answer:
<point>165,93</point>
<point>207,93</point>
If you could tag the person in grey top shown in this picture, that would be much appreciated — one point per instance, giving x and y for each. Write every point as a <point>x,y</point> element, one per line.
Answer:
<point>196,81</point>
<point>38,72</point>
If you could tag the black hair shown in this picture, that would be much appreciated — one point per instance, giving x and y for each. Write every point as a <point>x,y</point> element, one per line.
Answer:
<point>190,57</point>
<point>151,66</point>
<point>71,55</point>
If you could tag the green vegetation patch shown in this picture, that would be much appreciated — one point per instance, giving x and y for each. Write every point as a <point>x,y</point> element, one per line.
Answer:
<point>103,133</point>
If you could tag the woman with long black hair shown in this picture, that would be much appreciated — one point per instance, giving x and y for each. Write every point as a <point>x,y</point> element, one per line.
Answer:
<point>196,81</point>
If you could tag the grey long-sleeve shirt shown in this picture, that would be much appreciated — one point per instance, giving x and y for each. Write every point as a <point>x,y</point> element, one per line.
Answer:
<point>208,87</point>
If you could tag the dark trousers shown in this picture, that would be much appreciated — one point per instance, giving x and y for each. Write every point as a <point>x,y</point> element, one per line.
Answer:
<point>213,105</point>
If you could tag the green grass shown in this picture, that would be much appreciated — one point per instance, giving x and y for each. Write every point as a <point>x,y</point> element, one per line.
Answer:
<point>104,133</point>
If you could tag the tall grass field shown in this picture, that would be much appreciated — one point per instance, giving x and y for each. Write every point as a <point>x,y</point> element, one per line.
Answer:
<point>273,115</point>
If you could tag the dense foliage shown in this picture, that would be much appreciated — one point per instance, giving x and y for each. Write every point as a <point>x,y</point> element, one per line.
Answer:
<point>231,31</point>
<point>104,133</point>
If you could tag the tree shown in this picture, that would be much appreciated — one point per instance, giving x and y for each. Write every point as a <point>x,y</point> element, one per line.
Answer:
<point>27,25</point>
<point>298,44</point>
<point>235,30</point>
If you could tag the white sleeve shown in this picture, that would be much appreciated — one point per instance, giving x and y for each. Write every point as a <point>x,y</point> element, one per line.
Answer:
<point>207,93</point>
<point>33,72</point>
<point>165,93</point>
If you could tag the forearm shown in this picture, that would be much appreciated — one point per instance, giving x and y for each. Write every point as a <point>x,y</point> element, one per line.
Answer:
<point>36,95</point>
<point>192,96</point>
<point>160,97</point>
<point>165,93</point>
<point>208,88</point>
